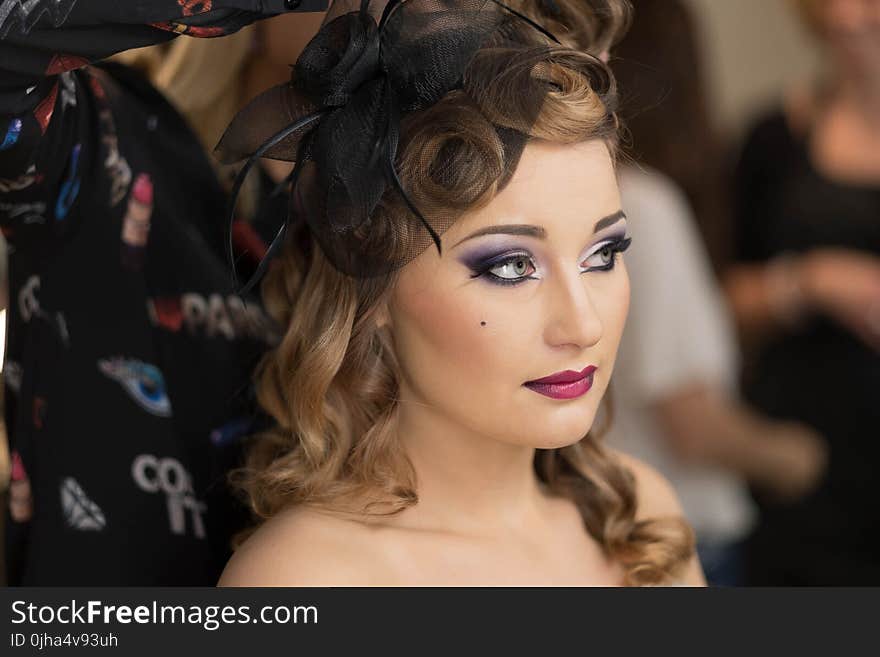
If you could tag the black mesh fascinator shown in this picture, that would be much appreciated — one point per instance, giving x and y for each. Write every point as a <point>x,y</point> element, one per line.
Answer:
<point>372,65</point>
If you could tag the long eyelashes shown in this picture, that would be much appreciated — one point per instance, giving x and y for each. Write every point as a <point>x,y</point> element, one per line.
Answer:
<point>522,265</point>
<point>606,254</point>
<point>514,261</point>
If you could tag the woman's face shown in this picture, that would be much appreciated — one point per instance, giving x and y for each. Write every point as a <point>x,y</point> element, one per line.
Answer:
<point>852,27</point>
<point>529,286</point>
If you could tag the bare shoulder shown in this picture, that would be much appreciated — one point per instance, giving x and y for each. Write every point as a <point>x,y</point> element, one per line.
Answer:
<point>656,496</point>
<point>658,499</point>
<point>304,547</point>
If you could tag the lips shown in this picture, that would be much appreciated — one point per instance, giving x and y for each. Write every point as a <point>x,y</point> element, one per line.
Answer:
<point>564,385</point>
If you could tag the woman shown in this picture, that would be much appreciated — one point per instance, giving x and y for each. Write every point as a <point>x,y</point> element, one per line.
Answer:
<point>170,332</point>
<point>434,396</point>
<point>806,292</point>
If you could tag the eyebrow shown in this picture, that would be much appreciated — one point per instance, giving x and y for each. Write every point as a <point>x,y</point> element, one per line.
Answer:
<point>610,220</point>
<point>537,231</point>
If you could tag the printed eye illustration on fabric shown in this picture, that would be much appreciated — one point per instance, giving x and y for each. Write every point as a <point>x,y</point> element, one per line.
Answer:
<point>143,382</point>
<point>136,223</point>
<point>168,476</point>
<point>80,512</point>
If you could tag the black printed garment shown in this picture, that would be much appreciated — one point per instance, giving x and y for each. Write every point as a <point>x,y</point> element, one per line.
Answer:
<point>128,356</point>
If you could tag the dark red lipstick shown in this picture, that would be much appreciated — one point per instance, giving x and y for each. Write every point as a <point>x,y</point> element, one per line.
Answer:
<point>564,385</point>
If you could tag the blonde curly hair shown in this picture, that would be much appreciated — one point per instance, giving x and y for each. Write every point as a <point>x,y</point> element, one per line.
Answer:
<point>331,384</point>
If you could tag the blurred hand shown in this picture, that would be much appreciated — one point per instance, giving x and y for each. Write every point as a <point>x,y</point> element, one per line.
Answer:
<point>799,458</point>
<point>845,285</point>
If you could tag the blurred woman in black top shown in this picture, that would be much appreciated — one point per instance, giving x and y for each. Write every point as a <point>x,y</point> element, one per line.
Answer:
<point>806,291</point>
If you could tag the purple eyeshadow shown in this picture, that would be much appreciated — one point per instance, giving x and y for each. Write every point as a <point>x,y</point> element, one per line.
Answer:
<point>482,258</point>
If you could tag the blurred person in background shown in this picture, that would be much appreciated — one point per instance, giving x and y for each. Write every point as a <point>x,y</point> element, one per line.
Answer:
<point>805,289</point>
<point>676,405</point>
<point>128,353</point>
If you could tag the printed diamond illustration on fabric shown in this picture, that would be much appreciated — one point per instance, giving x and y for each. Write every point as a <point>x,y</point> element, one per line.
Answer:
<point>80,512</point>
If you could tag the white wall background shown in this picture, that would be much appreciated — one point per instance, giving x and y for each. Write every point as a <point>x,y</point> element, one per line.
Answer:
<point>754,49</point>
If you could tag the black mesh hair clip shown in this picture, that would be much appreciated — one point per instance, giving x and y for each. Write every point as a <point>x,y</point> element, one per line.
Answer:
<point>338,118</point>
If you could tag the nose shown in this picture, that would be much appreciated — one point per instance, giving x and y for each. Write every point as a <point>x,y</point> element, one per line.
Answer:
<point>572,317</point>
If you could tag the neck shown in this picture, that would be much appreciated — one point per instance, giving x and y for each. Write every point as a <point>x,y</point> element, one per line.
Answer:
<point>859,89</point>
<point>466,481</point>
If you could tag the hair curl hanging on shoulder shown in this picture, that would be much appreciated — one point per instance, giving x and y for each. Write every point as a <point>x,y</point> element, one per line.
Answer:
<point>331,383</point>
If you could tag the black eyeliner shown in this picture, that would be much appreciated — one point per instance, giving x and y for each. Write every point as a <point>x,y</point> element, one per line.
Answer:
<point>480,267</point>
<point>617,245</point>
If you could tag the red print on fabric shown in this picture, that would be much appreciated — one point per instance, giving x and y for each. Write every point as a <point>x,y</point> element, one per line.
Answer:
<point>203,32</point>
<point>192,7</point>
<point>189,30</point>
<point>43,111</point>
<point>166,312</point>
<point>97,89</point>
<point>61,63</point>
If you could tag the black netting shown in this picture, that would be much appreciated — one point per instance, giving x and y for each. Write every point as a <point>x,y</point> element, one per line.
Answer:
<point>372,69</point>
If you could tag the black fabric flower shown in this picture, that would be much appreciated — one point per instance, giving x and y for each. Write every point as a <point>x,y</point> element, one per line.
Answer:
<point>339,116</point>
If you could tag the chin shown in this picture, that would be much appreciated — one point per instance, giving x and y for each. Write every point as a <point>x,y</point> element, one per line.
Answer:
<point>561,432</point>
<point>558,441</point>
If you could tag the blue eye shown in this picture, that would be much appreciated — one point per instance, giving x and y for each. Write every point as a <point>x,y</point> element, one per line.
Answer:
<point>143,382</point>
<point>602,258</point>
<point>508,269</point>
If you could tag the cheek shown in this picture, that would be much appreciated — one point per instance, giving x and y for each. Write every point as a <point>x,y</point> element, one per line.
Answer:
<point>474,372</point>
<point>613,307</point>
<point>619,306</point>
<point>460,335</point>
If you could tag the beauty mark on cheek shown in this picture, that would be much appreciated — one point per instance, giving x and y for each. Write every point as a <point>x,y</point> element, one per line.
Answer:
<point>482,323</point>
